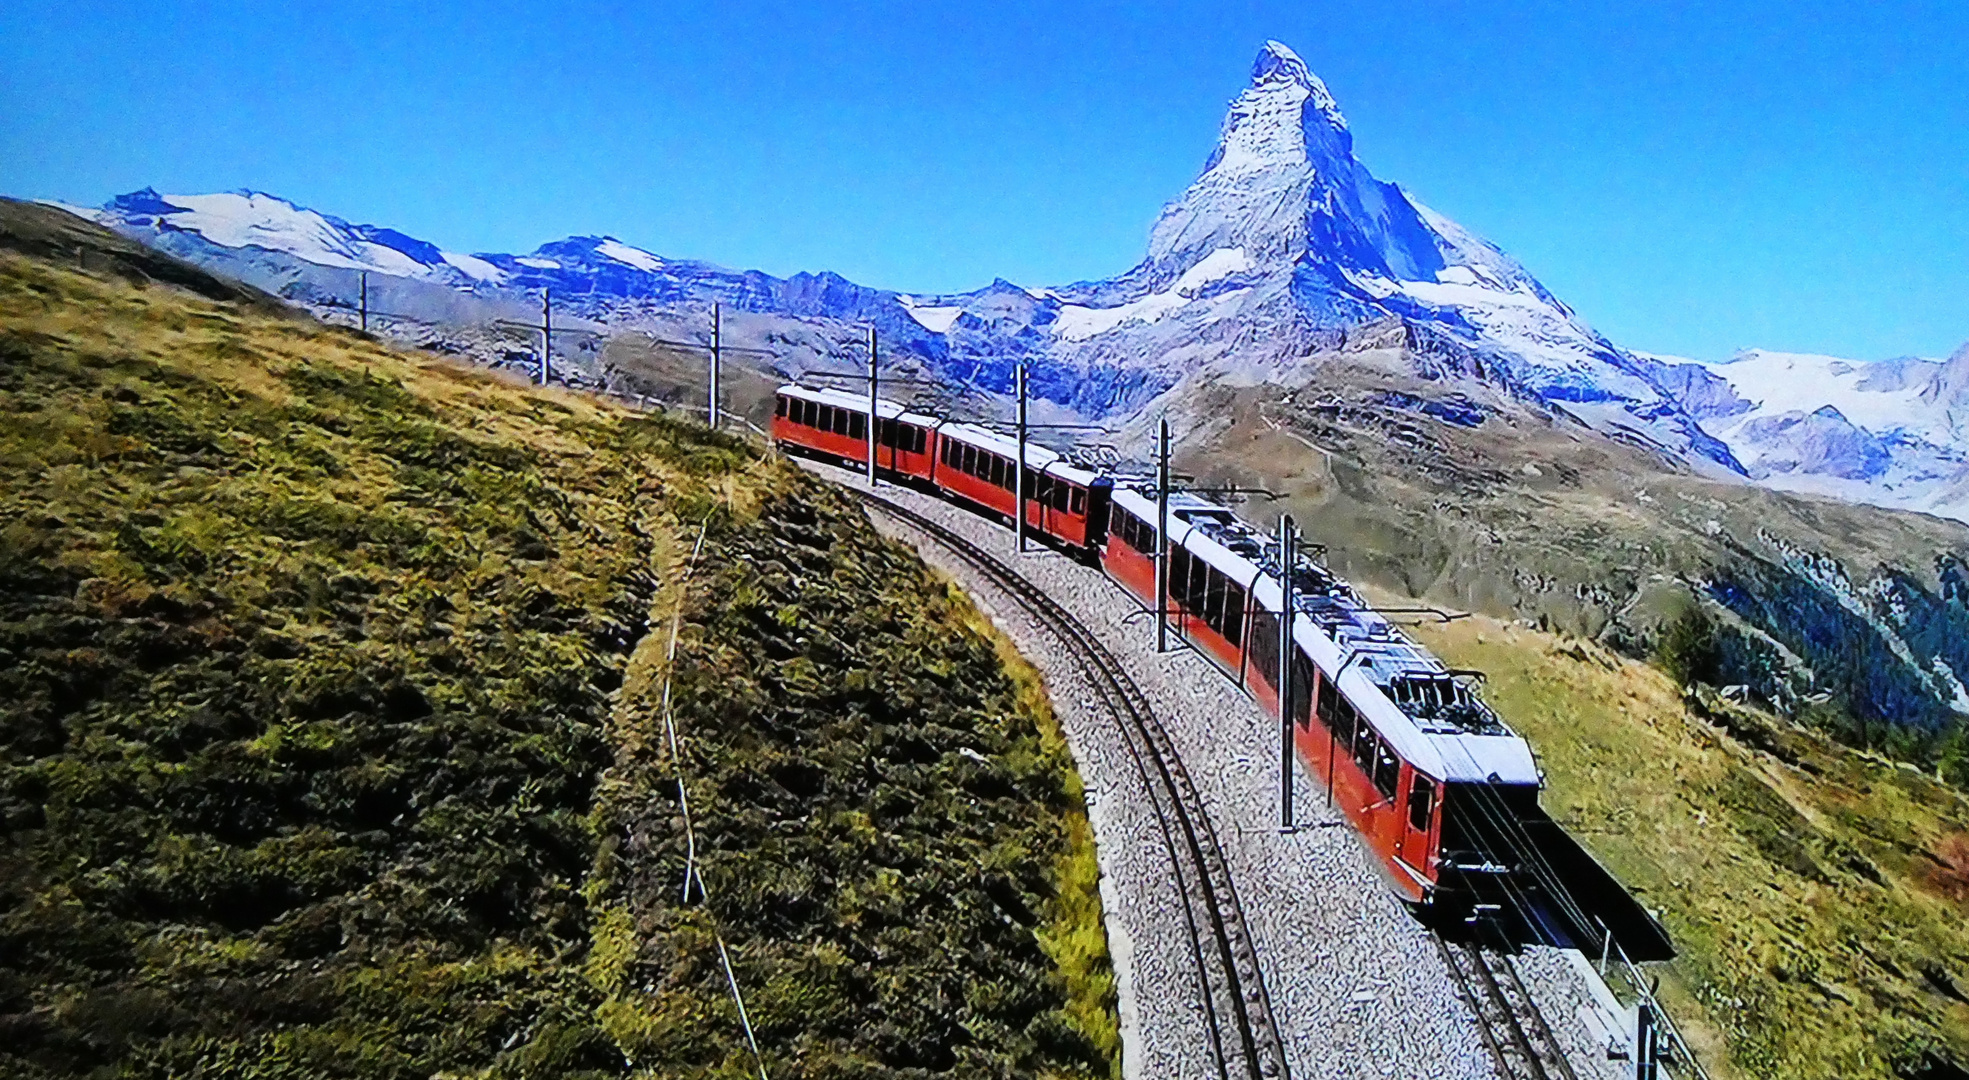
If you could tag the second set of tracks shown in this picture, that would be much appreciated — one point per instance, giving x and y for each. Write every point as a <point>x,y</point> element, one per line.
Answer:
<point>1237,1012</point>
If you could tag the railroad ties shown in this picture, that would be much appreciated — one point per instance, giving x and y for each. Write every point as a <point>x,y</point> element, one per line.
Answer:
<point>1237,1011</point>
<point>1508,1019</point>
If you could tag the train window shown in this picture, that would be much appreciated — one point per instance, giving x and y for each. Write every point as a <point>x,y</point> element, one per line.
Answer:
<point>1421,802</point>
<point>1061,491</point>
<point>1198,598</point>
<point>1365,741</point>
<point>969,463</point>
<point>1264,646</point>
<point>779,407</point>
<point>857,426</point>
<point>1042,490</point>
<point>1131,529</point>
<point>1179,573</point>
<point>1233,612</point>
<point>998,471</point>
<point>1329,698</point>
<point>826,418</point>
<point>885,433</point>
<point>1387,769</point>
<point>1213,600</point>
<point>1302,688</point>
<point>841,421</point>
<point>917,440</point>
<point>1079,500</point>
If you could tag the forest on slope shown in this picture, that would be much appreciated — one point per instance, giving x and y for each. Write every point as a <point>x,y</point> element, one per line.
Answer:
<point>336,685</point>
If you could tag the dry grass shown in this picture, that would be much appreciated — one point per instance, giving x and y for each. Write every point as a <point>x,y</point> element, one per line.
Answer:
<point>1804,883</point>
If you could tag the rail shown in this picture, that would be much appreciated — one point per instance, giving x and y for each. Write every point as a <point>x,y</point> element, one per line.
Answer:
<point>1244,1038</point>
<point>1509,1022</point>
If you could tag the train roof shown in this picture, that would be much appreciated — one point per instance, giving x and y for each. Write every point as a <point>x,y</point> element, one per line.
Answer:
<point>841,399</point>
<point>1417,703</point>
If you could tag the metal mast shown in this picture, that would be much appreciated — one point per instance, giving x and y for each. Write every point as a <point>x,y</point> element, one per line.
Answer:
<point>717,361</point>
<point>546,335</point>
<point>1162,536</point>
<point>874,421</point>
<point>1287,555</point>
<point>1019,484</point>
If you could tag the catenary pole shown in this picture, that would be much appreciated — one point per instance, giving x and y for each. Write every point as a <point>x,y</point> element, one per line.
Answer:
<point>873,420</point>
<point>1019,482</point>
<point>717,363</point>
<point>1287,556</point>
<point>1162,536</point>
<point>546,335</point>
<point>364,302</point>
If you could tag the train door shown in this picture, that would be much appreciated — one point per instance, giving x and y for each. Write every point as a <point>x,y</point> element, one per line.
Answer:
<point>1418,822</point>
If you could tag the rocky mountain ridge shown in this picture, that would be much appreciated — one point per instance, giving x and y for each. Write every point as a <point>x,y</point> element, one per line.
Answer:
<point>1285,245</point>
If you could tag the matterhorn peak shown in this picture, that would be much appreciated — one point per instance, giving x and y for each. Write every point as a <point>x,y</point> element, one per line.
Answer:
<point>1277,62</point>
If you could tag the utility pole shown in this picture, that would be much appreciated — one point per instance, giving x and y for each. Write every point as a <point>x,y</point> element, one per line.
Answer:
<point>1162,536</point>
<point>364,303</point>
<point>546,335</point>
<point>717,361</point>
<point>1286,557</point>
<point>874,421</point>
<point>1019,484</point>
<point>1646,1061</point>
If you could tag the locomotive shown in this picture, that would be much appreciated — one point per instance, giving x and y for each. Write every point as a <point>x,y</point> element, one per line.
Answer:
<point>1441,789</point>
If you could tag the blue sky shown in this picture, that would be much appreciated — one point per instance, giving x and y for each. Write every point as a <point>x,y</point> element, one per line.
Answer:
<point>1692,178</point>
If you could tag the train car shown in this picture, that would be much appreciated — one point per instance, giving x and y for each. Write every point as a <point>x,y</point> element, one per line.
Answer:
<point>834,424</point>
<point>1064,503</point>
<point>1443,791</point>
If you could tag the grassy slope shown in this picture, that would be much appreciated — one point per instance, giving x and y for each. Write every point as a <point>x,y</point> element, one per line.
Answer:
<point>309,763</point>
<point>1818,895</point>
<point>1526,517</point>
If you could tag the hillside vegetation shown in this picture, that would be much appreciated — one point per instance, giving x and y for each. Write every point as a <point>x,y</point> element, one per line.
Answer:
<point>332,698</point>
<point>1819,895</point>
<point>1435,484</point>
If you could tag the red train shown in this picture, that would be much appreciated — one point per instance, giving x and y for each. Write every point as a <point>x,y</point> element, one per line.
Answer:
<point>1442,790</point>
<point>1065,504</point>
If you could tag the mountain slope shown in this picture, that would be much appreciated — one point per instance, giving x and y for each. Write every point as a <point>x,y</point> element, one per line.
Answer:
<point>332,731</point>
<point>1284,239</point>
<point>1890,432</point>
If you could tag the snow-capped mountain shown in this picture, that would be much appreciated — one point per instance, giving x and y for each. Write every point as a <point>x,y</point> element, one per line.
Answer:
<point>254,219</point>
<point>1285,237</point>
<point>1283,244</point>
<point>1889,432</point>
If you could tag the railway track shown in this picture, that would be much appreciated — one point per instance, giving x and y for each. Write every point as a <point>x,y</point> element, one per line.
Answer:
<point>1508,1020</point>
<point>1244,1039</point>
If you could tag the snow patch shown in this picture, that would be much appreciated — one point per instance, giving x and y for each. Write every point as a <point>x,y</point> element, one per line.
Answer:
<point>636,257</point>
<point>86,213</point>
<point>937,319</point>
<point>474,267</point>
<point>537,263</point>
<point>1077,323</point>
